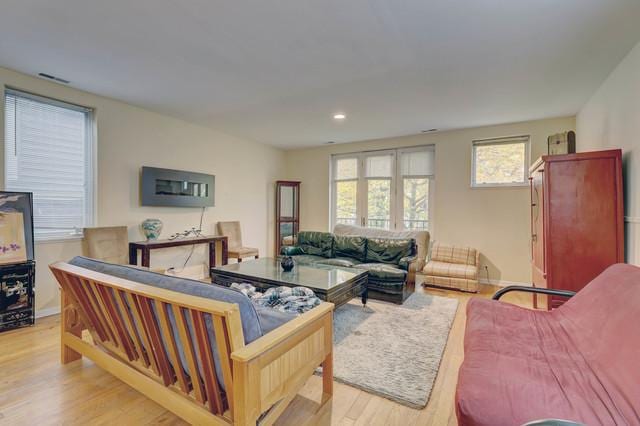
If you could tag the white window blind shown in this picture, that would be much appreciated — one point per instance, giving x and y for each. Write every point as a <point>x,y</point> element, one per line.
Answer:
<point>378,166</point>
<point>49,151</point>
<point>417,162</point>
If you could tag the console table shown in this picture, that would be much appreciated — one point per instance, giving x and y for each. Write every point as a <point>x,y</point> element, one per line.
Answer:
<point>211,240</point>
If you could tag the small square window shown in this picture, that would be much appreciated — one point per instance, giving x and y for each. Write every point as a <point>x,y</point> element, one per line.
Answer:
<point>500,162</point>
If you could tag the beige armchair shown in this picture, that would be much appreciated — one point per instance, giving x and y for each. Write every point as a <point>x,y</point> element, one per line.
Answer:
<point>232,231</point>
<point>452,267</point>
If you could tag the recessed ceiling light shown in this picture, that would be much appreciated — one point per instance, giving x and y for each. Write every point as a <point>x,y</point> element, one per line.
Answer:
<point>339,116</point>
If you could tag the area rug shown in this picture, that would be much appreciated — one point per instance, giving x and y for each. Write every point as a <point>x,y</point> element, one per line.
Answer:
<point>390,350</point>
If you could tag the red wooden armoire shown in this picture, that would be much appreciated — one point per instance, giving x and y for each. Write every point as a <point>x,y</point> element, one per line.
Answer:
<point>577,227</point>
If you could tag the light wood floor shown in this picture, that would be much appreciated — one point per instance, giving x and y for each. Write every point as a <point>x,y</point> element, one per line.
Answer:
<point>36,389</point>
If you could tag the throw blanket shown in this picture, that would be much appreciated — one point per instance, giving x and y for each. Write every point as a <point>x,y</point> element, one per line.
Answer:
<point>285,299</point>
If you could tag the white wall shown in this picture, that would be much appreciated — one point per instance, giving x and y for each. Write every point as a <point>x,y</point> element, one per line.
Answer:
<point>130,137</point>
<point>494,220</point>
<point>611,119</point>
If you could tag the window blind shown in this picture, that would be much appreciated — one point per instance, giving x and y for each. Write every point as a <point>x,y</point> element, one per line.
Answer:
<point>48,151</point>
<point>417,162</point>
<point>378,166</point>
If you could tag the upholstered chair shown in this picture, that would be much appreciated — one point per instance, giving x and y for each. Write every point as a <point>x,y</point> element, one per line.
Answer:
<point>109,244</point>
<point>232,231</point>
<point>452,267</point>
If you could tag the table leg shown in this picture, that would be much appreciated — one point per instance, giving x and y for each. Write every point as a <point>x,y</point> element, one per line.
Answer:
<point>365,296</point>
<point>133,255</point>
<point>225,251</point>
<point>146,257</point>
<point>212,254</point>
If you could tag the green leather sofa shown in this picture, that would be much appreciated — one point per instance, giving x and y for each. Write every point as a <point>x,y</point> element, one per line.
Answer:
<point>387,260</point>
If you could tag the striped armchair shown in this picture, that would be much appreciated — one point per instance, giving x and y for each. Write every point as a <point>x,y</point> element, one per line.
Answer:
<point>452,267</point>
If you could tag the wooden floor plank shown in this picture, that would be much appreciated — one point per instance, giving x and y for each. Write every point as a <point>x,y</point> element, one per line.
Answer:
<point>36,389</point>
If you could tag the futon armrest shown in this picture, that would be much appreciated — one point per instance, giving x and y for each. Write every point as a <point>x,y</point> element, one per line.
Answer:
<point>291,251</point>
<point>550,291</point>
<point>552,422</point>
<point>301,324</point>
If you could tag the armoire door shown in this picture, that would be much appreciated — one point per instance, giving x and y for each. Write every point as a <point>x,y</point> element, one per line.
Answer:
<point>585,219</point>
<point>537,231</point>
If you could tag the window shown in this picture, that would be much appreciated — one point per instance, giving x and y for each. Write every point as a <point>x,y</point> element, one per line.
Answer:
<point>416,173</point>
<point>346,188</point>
<point>500,162</point>
<point>390,189</point>
<point>49,151</point>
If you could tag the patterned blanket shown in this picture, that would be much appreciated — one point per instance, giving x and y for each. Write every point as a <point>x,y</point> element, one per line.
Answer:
<point>285,299</point>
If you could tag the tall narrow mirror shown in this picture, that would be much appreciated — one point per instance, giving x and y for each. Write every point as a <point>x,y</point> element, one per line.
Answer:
<point>287,213</point>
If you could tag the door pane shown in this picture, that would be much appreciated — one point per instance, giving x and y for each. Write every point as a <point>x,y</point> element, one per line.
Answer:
<point>346,202</point>
<point>379,203</point>
<point>416,203</point>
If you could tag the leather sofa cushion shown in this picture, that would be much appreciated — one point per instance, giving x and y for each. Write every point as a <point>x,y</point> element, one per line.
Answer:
<point>383,272</point>
<point>422,238</point>
<point>316,243</point>
<point>389,250</point>
<point>350,246</point>
<point>339,261</point>
<point>451,270</point>
<point>308,259</point>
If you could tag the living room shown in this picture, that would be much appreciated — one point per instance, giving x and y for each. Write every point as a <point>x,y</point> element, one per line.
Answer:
<point>344,106</point>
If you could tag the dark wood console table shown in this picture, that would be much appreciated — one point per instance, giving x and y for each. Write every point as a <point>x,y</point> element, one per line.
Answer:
<point>211,240</point>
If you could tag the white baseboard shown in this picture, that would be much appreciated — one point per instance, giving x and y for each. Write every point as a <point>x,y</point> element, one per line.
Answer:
<point>502,283</point>
<point>499,283</point>
<point>47,312</point>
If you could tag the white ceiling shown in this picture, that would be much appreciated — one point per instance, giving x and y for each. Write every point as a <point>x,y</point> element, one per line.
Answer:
<point>276,71</point>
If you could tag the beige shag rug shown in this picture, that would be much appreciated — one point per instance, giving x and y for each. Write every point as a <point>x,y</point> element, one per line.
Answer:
<point>393,351</point>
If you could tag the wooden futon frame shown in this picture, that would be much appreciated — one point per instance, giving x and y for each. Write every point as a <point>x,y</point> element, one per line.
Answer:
<point>126,339</point>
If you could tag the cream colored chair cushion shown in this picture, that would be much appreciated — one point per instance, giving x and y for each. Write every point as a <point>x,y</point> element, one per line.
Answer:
<point>109,244</point>
<point>452,270</point>
<point>242,252</point>
<point>454,254</point>
<point>232,231</point>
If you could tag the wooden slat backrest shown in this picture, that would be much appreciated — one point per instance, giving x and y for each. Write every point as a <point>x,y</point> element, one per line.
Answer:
<point>133,321</point>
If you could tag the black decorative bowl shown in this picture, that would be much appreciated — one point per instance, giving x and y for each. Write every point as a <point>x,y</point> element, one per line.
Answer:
<point>287,263</point>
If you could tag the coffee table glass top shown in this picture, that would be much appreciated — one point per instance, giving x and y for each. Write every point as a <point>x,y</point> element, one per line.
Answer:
<point>323,277</point>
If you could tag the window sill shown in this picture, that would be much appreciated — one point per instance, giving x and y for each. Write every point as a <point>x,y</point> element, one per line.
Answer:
<point>500,185</point>
<point>54,240</point>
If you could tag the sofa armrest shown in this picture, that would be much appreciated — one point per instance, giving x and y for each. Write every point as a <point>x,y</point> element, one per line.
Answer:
<point>291,251</point>
<point>553,292</point>
<point>406,262</point>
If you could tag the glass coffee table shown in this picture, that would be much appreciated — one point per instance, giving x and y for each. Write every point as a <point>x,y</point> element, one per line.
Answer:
<point>330,283</point>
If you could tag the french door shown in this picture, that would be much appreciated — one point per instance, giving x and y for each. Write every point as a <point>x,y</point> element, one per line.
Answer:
<point>390,189</point>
